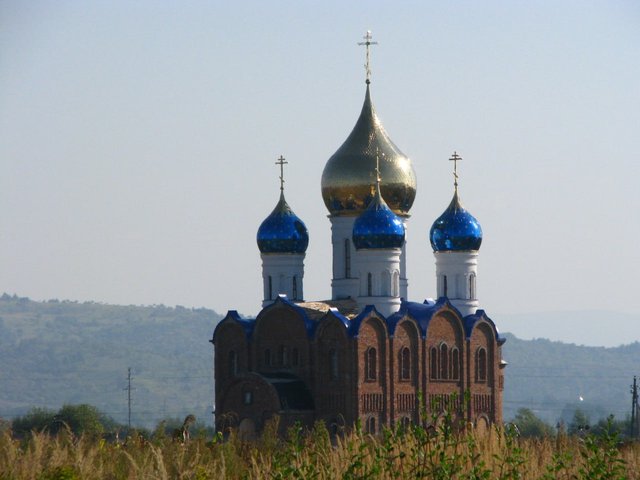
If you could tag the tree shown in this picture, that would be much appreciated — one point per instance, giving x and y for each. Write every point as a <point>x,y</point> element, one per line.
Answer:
<point>37,419</point>
<point>81,418</point>
<point>529,425</point>
<point>580,424</point>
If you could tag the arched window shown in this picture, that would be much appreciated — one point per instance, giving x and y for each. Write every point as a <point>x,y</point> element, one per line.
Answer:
<point>481,365</point>
<point>472,286</point>
<point>371,425</point>
<point>233,363</point>
<point>433,358</point>
<point>294,292</point>
<point>369,285</point>
<point>270,288</point>
<point>455,364</point>
<point>444,361</point>
<point>333,363</point>
<point>295,357</point>
<point>284,356</point>
<point>267,357</point>
<point>347,258</point>
<point>371,359</point>
<point>444,286</point>
<point>405,364</point>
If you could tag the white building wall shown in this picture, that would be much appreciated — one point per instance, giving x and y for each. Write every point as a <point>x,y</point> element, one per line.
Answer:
<point>384,267</point>
<point>344,283</point>
<point>460,270</point>
<point>282,268</point>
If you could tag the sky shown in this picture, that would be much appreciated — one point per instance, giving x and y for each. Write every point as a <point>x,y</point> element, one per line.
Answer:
<point>138,143</point>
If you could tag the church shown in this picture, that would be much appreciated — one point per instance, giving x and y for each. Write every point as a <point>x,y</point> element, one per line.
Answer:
<point>368,354</point>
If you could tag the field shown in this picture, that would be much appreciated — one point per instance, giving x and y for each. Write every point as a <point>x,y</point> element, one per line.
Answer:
<point>438,453</point>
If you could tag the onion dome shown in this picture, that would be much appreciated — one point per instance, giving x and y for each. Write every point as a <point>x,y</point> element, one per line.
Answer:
<point>346,179</point>
<point>456,229</point>
<point>378,227</point>
<point>282,231</point>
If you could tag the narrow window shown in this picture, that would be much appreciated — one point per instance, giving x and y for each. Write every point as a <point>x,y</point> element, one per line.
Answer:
<point>396,284</point>
<point>270,296</point>
<point>233,363</point>
<point>455,364</point>
<point>444,285</point>
<point>472,286</point>
<point>333,363</point>
<point>248,398</point>
<point>434,362</point>
<point>284,356</point>
<point>444,361</point>
<point>481,365</point>
<point>405,364</point>
<point>370,362</point>
<point>369,285</point>
<point>295,357</point>
<point>294,293</point>
<point>267,357</point>
<point>371,425</point>
<point>405,423</point>
<point>347,259</point>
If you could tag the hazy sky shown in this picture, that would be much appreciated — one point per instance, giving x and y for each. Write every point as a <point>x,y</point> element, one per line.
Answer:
<point>138,141</point>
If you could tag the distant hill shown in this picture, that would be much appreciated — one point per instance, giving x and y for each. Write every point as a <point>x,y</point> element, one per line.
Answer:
<point>550,378</point>
<point>58,352</point>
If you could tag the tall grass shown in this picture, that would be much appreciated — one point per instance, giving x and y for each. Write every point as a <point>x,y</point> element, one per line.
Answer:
<point>436,453</point>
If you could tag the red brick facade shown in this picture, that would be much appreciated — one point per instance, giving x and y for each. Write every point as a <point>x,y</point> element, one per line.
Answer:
<point>304,365</point>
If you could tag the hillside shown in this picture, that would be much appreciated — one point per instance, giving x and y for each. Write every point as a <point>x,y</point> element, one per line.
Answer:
<point>59,352</point>
<point>551,377</point>
<point>65,352</point>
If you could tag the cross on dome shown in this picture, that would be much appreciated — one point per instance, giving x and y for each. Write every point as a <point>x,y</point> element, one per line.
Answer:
<point>282,162</point>
<point>455,158</point>
<point>367,43</point>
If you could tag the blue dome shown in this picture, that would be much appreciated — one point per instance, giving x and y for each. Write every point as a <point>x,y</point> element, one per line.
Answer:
<point>378,227</point>
<point>282,231</point>
<point>456,229</point>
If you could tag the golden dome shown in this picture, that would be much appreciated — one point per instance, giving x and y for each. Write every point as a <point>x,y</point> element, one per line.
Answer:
<point>349,174</point>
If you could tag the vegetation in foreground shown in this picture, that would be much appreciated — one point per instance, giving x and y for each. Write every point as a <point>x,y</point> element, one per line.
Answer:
<point>417,452</point>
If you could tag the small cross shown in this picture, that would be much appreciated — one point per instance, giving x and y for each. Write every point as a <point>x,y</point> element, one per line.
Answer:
<point>367,43</point>
<point>455,158</point>
<point>282,162</point>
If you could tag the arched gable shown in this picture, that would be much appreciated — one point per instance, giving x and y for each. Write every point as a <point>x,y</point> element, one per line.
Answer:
<point>231,351</point>
<point>280,338</point>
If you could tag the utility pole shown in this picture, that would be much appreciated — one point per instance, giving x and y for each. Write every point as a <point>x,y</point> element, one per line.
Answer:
<point>634,408</point>
<point>128,389</point>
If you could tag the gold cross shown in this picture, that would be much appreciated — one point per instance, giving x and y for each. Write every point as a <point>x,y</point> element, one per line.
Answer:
<point>455,158</point>
<point>367,43</point>
<point>282,162</point>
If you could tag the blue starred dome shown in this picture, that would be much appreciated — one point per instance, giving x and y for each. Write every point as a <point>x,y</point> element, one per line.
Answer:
<point>378,227</point>
<point>282,231</point>
<point>456,229</point>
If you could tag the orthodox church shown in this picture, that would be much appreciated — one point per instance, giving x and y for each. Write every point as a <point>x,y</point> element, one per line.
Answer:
<point>368,354</point>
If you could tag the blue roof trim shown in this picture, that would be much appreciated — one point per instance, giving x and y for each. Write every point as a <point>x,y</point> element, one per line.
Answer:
<point>423,312</point>
<point>331,314</point>
<point>366,313</point>
<point>233,316</point>
<point>470,321</point>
